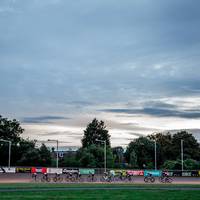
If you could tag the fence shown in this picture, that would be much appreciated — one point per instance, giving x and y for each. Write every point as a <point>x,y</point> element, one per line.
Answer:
<point>99,171</point>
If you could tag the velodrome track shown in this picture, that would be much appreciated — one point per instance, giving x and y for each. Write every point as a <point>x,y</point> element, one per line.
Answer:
<point>27,178</point>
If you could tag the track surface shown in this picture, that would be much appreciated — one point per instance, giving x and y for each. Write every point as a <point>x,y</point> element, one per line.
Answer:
<point>26,178</point>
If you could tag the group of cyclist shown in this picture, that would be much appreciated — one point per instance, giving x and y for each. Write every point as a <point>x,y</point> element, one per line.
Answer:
<point>110,176</point>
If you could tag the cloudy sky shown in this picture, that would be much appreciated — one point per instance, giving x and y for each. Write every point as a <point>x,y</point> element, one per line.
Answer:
<point>134,64</point>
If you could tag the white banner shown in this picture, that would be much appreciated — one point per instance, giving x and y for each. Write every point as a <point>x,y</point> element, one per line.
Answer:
<point>54,170</point>
<point>7,170</point>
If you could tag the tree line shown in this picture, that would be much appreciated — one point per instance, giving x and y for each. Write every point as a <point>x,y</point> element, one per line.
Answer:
<point>139,154</point>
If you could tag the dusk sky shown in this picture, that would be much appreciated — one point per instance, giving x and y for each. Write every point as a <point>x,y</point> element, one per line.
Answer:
<point>134,64</point>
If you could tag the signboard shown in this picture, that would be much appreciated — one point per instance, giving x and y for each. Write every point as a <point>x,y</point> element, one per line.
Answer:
<point>7,170</point>
<point>67,171</point>
<point>123,172</point>
<point>42,170</point>
<point>86,171</point>
<point>135,172</point>
<point>23,170</point>
<point>186,173</point>
<point>177,173</point>
<point>155,173</point>
<point>54,170</point>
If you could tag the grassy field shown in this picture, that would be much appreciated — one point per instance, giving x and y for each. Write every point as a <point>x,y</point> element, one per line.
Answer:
<point>84,191</point>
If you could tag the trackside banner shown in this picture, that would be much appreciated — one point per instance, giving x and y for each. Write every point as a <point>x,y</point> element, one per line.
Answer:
<point>42,170</point>
<point>86,171</point>
<point>135,172</point>
<point>54,170</point>
<point>7,170</point>
<point>23,170</point>
<point>155,173</point>
<point>68,171</point>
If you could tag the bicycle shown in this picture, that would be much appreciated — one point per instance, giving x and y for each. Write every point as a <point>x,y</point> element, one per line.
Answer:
<point>34,176</point>
<point>165,179</point>
<point>91,178</point>
<point>45,178</point>
<point>57,178</point>
<point>70,177</point>
<point>149,178</point>
<point>106,178</point>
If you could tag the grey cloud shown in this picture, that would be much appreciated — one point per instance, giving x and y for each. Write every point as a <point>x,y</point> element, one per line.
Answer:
<point>43,119</point>
<point>158,112</point>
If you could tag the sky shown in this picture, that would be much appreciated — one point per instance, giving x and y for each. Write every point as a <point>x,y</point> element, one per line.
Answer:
<point>135,64</point>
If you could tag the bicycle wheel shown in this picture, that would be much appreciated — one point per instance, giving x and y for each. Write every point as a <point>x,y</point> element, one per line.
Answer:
<point>42,180</point>
<point>48,179</point>
<point>146,179</point>
<point>152,179</point>
<point>55,179</point>
<point>61,179</point>
<point>169,180</point>
<point>161,179</point>
<point>67,179</point>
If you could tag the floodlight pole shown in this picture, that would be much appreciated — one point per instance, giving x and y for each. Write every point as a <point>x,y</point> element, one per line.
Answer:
<point>155,150</point>
<point>9,151</point>
<point>104,141</point>
<point>182,154</point>
<point>57,151</point>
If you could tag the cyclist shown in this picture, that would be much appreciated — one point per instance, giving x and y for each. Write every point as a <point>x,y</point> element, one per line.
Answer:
<point>34,175</point>
<point>112,174</point>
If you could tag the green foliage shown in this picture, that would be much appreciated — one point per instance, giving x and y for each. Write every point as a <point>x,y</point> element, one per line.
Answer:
<point>143,149</point>
<point>96,130</point>
<point>10,130</point>
<point>93,156</point>
<point>23,151</point>
<point>118,155</point>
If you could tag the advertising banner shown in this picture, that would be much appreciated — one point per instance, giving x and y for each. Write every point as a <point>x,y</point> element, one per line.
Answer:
<point>7,170</point>
<point>54,170</point>
<point>42,170</point>
<point>186,173</point>
<point>155,173</point>
<point>168,173</point>
<point>118,171</point>
<point>195,173</point>
<point>72,171</point>
<point>177,173</point>
<point>23,170</point>
<point>135,172</point>
<point>86,171</point>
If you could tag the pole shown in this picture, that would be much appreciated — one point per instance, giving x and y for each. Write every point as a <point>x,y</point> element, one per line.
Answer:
<point>182,153</point>
<point>9,155</point>
<point>105,156</point>
<point>56,150</point>
<point>57,155</point>
<point>155,156</point>
<point>9,151</point>
<point>103,141</point>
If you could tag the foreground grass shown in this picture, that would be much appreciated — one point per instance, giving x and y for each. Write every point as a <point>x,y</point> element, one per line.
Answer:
<point>63,185</point>
<point>105,194</point>
<point>83,194</point>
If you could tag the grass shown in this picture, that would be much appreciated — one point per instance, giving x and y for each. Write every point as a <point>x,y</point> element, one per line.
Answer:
<point>121,194</point>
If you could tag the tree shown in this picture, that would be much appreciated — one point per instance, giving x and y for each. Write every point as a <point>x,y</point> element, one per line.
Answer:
<point>45,156</point>
<point>164,146</point>
<point>93,156</point>
<point>118,154</point>
<point>190,146</point>
<point>10,130</point>
<point>144,150</point>
<point>96,130</point>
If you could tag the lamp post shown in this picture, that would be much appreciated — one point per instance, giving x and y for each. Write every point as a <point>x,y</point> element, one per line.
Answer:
<point>9,151</point>
<point>56,150</point>
<point>155,149</point>
<point>103,141</point>
<point>182,154</point>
